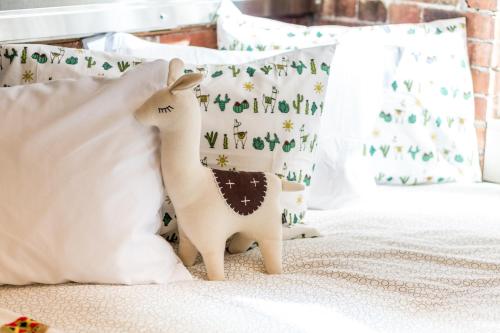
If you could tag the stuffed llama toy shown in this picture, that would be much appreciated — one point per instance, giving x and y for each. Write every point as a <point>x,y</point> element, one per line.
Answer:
<point>211,205</point>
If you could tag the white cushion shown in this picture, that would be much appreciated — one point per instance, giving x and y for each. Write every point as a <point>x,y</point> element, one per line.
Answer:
<point>81,183</point>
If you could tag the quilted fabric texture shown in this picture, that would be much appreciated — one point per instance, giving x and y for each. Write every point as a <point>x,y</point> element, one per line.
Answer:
<point>376,270</point>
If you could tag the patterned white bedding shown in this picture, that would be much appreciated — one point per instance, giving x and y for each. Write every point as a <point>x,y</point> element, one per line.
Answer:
<point>422,259</point>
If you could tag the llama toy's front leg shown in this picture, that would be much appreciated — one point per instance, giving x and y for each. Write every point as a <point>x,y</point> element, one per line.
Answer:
<point>271,252</point>
<point>214,262</point>
<point>187,251</point>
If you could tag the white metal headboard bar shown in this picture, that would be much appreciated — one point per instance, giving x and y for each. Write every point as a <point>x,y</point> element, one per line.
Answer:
<point>65,22</point>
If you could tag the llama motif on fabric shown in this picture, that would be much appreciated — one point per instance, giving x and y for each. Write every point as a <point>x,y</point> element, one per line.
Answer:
<point>24,325</point>
<point>243,191</point>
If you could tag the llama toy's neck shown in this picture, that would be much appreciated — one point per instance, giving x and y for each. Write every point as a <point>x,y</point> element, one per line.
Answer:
<point>180,160</point>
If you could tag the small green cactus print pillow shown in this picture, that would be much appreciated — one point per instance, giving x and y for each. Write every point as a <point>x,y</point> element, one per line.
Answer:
<point>425,133</point>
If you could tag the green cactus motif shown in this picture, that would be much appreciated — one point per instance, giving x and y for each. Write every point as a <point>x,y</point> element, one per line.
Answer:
<point>296,103</point>
<point>90,62</point>
<point>251,71</point>
<point>211,138</point>
<point>234,70</point>
<point>288,145</point>
<point>313,144</point>
<point>266,69</point>
<point>408,84</point>
<point>412,119</point>
<point>307,180</point>
<point>240,107</point>
<point>426,157</point>
<point>255,106</point>
<point>387,117</point>
<point>379,177</point>
<point>394,85</point>
<point>444,91</point>
<point>459,158</point>
<point>292,176</point>
<point>217,74</point>
<point>24,55</point>
<point>325,68</point>
<point>385,150</point>
<point>299,67</point>
<point>413,151</point>
<point>71,61</point>
<point>272,142</point>
<point>450,121</point>
<point>427,117</point>
<point>438,122</point>
<point>106,66</point>
<point>284,107</point>
<point>373,150</point>
<point>321,108</point>
<point>467,95</point>
<point>7,54</point>
<point>438,31</point>
<point>404,180</point>
<point>260,47</point>
<point>123,66</point>
<point>222,103</point>
<point>314,108</point>
<point>41,58</point>
<point>258,143</point>
<point>307,107</point>
<point>225,143</point>
<point>167,219</point>
<point>313,67</point>
<point>451,28</point>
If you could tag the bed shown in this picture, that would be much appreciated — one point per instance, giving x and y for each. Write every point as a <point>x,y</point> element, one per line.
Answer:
<point>418,259</point>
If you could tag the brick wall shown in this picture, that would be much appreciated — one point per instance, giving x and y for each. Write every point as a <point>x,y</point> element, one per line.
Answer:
<point>483,26</point>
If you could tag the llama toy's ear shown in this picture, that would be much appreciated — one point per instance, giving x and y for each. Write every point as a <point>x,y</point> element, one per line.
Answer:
<point>175,70</point>
<point>186,81</point>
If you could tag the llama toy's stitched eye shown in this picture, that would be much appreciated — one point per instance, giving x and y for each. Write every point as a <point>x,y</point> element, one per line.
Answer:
<point>168,108</point>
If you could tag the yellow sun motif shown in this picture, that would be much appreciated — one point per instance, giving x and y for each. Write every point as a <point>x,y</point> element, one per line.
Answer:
<point>288,125</point>
<point>376,133</point>
<point>28,76</point>
<point>434,136</point>
<point>318,88</point>
<point>222,160</point>
<point>300,199</point>
<point>248,86</point>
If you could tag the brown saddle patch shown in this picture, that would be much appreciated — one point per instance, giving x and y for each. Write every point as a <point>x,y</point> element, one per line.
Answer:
<point>243,191</point>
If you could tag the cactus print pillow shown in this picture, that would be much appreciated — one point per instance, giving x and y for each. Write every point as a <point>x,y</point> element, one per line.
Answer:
<point>424,132</point>
<point>32,63</point>
<point>263,115</point>
<point>239,32</point>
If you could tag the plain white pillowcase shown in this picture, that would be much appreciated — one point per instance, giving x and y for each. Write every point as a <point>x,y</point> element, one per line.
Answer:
<point>352,101</point>
<point>81,183</point>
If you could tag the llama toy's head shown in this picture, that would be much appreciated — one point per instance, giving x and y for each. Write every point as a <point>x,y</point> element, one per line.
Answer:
<point>174,105</point>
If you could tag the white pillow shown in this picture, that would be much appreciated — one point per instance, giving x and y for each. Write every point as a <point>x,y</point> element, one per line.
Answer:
<point>427,82</point>
<point>81,183</point>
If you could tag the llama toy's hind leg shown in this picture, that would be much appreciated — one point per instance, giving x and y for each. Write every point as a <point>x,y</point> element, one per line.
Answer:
<point>240,244</point>
<point>271,252</point>
<point>187,251</point>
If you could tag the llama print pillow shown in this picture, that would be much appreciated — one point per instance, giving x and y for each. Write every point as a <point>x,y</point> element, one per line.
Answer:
<point>265,116</point>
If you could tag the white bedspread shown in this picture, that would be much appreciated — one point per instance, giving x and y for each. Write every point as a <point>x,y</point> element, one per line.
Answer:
<point>422,259</point>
